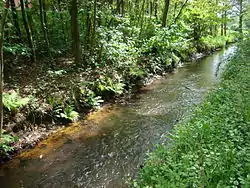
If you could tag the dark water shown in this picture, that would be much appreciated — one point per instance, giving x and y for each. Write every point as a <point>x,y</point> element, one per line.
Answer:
<point>118,140</point>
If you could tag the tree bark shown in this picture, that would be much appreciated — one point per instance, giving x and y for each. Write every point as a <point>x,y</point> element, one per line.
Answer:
<point>88,28</point>
<point>225,23</point>
<point>28,32</point>
<point>62,20</point>
<point>165,13</point>
<point>29,16</point>
<point>156,9</point>
<point>122,7</point>
<point>179,13</point>
<point>94,28</point>
<point>15,20</point>
<point>241,17</point>
<point>43,21</point>
<point>76,48</point>
<point>3,21</point>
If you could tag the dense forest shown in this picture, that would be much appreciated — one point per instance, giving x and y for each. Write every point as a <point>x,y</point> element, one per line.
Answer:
<point>62,58</point>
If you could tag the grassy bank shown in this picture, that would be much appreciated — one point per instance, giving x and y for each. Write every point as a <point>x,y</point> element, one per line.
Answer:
<point>212,149</point>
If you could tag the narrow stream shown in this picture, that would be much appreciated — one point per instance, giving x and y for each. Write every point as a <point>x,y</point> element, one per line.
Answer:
<point>113,143</point>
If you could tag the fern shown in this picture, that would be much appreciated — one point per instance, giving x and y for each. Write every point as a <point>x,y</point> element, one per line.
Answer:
<point>13,101</point>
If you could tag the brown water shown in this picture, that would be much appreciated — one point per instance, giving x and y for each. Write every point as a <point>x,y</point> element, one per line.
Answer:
<point>112,145</point>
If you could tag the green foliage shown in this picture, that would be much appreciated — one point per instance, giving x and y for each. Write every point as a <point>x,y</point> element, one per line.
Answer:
<point>212,148</point>
<point>13,101</point>
<point>90,99</point>
<point>67,113</point>
<point>5,144</point>
<point>118,50</point>
<point>17,49</point>
<point>105,83</point>
<point>211,43</point>
<point>62,108</point>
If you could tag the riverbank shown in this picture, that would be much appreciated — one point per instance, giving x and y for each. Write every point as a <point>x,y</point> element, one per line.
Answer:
<point>210,149</point>
<point>50,98</point>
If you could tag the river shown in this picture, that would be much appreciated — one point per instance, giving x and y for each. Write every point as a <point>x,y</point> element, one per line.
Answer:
<point>110,146</point>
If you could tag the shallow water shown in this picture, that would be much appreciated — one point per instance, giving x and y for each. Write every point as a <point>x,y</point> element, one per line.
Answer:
<point>113,142</point>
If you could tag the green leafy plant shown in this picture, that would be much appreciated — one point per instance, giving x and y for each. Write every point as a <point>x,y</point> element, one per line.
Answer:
<point>4,143</point>
<point>13,101</point>
<point>90,98</point>
<point>68,113</point>
<point>17,49</point>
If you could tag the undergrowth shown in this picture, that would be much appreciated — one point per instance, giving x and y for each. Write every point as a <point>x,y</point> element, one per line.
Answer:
<point>212,149</point>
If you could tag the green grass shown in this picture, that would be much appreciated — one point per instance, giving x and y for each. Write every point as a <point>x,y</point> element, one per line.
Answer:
<point>212,149</point>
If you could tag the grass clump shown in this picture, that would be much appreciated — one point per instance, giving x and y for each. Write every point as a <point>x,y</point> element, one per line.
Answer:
<point>212,149</point>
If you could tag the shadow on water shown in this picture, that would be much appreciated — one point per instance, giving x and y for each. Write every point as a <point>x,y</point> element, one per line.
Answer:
<point>111,145</point>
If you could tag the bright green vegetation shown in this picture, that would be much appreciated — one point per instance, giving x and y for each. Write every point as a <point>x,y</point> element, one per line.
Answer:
<point>212,148</point>
<point>13,101</point>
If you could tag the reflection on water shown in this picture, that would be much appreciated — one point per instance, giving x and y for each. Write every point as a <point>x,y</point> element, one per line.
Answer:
<point>112,146</point>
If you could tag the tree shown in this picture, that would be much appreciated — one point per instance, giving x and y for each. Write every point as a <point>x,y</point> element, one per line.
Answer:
<point>28,31</point>
<point>240,16</point>
<point>3,21</point>
<point>15,19</point>
<point>44,23</point>
<point>165,13</point>
<point>76,47</point>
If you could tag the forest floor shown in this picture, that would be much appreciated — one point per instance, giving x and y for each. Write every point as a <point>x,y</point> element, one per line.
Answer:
<point>210,149</point>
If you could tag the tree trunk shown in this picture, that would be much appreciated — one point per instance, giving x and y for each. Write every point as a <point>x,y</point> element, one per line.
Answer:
<point>3,20</point>
<point>216,25</point>
<point>88,28</point>
<point>241,17</point>
<point>165,13</point>
<point>28,32</point>
<point>151,8</point>
<point>180,12</point>
<point>29,16</point>
<point>15,19</point>
<point>75,32</point>
<point>222,29</point>
<point>156,9</point>
<point>43,21</point>
<point>225,23</point>
<point>122,7</point>
<point>62,19</point>
<point>94,29</point>
<point>141,16</point>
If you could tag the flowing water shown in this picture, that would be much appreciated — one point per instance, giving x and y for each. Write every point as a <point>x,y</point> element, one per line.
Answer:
<point>112,144</point>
